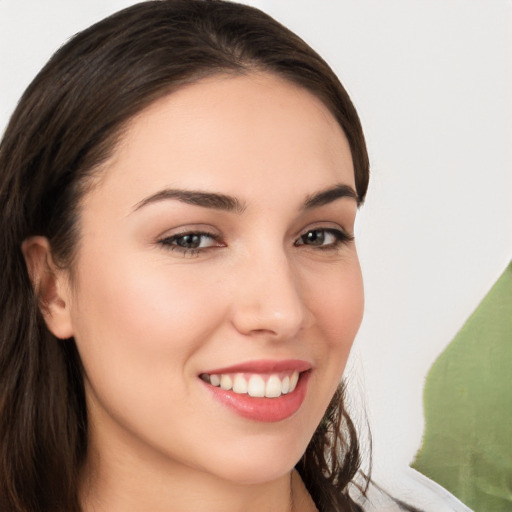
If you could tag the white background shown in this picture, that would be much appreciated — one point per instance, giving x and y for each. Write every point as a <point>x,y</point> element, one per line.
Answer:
<point>432,81</point>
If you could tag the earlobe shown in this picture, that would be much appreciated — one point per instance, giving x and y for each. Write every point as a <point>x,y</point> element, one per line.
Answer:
<point>50,284</point>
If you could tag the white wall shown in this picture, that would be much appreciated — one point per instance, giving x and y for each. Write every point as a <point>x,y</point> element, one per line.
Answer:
<point>432,83</point>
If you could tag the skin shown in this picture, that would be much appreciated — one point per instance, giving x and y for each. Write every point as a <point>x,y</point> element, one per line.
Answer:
<point>148,318</point>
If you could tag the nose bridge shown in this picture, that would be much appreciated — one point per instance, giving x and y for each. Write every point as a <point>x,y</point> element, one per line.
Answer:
<point>269,299</point>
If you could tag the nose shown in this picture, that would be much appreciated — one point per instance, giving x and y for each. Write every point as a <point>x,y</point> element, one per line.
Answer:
<point>269,298</point>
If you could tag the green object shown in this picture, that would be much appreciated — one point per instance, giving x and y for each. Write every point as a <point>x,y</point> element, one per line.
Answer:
<point>467,446</point>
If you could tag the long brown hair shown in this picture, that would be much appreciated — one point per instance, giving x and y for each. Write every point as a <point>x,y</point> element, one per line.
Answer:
<point>66,124</point>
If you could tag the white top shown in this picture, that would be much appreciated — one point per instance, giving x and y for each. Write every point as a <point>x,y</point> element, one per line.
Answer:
<point>413,489</point>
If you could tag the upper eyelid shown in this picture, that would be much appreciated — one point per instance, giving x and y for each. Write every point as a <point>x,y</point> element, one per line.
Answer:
<point>189,230</point>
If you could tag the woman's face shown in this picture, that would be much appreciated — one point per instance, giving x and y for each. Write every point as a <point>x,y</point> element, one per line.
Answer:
<point>217,246</point>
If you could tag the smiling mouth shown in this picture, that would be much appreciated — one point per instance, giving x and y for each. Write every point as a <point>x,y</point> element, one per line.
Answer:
<point>261,390</point>
<point>256,385</point>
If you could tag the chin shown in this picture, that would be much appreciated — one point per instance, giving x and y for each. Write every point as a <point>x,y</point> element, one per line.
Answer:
<point>268,459</point>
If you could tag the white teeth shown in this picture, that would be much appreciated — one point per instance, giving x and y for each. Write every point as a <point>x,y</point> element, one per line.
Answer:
<point>255,385</point>
<point>285,385</point>
<point>293,380</point>
<point>240,384</point>
<point>226,382</point>
<point>273,388</point>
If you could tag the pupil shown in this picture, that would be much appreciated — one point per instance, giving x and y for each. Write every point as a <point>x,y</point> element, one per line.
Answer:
<point>315,237</point>
<point>189,241</point>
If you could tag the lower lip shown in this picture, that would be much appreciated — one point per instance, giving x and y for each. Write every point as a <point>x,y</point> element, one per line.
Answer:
<point>263,409</point>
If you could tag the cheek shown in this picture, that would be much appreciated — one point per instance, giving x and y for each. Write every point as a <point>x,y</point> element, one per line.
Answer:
<point>337,303</point>
<point>142,314</point>
<point>335,299</point>
<point>139,328</point>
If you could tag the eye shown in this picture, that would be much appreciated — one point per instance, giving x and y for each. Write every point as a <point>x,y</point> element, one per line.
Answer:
<point>190,243</point>
<point>324,238</point>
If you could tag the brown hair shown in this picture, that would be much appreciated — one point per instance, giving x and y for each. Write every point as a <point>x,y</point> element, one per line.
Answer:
<point>66,124</point>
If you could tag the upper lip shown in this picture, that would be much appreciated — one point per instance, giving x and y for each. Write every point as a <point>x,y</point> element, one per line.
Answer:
<point>264,366</point>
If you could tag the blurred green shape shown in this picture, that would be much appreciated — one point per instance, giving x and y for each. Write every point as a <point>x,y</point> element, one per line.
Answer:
<point>467,446</point>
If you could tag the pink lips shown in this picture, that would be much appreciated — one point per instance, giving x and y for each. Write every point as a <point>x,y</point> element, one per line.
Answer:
<point>263,409</point>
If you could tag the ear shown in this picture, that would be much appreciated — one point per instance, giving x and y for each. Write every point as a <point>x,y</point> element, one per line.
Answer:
<point>51,286</point>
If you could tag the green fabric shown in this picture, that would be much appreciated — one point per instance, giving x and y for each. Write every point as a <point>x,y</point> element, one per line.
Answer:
<point>467,446</point>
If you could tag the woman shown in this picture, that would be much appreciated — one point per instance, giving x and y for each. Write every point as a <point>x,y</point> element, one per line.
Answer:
<point>180,285</point>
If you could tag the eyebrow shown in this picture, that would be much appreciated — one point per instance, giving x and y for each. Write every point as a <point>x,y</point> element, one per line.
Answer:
<point>196,198</point>
<point>227,203</point>
<point>329,195</point>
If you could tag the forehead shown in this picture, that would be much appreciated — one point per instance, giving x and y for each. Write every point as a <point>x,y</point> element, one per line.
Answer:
<point>244,134</point>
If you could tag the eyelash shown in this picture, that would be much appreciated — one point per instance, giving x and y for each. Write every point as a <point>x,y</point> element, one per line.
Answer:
<point>170,242</point>
<point>340,236</point>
